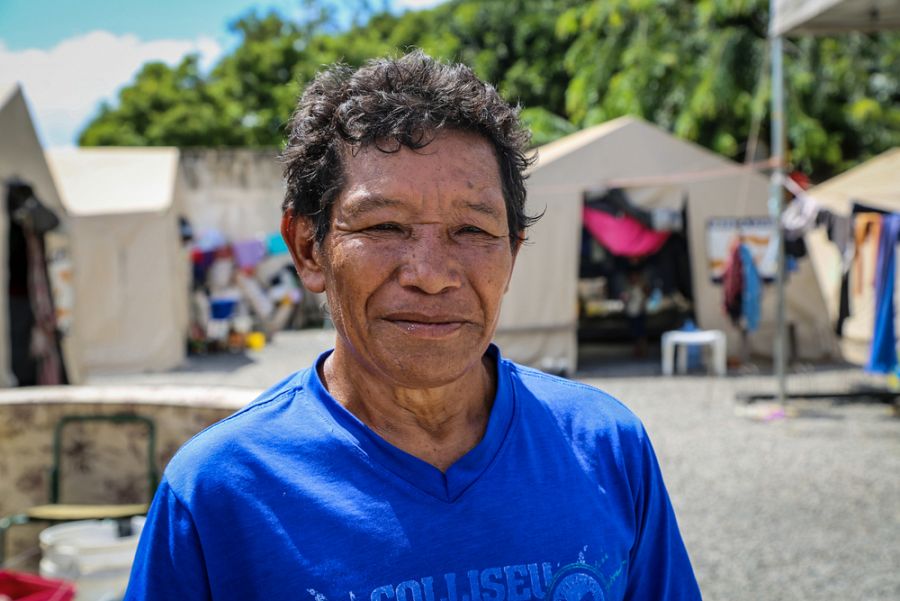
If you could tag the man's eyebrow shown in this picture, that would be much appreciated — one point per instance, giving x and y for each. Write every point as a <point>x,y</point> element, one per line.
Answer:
<point>485,208</point>
<point>365,204</point>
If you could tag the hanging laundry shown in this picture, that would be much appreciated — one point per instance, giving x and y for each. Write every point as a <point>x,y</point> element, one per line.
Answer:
<point>799,217</point>
<point>248,253</point>
<point>615,202</point>
<point>865,225</point>
<point>623,236</point>
<point>883,356</point>
<point>840,233</point>
<point>275,244</point>
<point>34,220</point>
<point>733,285</point>
<point>752,290</point>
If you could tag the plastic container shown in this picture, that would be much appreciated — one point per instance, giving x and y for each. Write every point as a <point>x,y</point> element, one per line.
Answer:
<point>92,554</point>
<point>222,308</point>
<point>20,586</point>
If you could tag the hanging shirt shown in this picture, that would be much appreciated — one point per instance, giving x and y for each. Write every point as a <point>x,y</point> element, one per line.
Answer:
<point>799,217</point>
<point>733,286</point>
<point>883,355</point>
<point>752,290</point>
<point>623,236</point>
<point>864,226</point>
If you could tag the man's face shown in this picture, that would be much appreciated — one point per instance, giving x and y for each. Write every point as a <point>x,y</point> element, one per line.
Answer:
<point>417,259</point>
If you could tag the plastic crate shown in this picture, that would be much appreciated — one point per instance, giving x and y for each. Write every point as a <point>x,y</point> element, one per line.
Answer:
<point>21,586</point>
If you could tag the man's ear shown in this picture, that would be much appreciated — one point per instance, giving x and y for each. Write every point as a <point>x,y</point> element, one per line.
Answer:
<point>299,234</point>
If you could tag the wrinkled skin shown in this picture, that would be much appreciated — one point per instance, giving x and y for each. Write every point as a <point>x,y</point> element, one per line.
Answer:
<point>414,266</point>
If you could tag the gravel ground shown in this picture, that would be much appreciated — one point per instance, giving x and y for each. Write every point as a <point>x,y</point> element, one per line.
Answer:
<point>773,505</point>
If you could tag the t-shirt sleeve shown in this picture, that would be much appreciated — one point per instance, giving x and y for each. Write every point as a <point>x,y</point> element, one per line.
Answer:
<point>660,569</point>
<point>169,562</point>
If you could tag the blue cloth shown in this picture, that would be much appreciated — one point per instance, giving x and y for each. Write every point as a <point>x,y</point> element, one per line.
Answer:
<point>294,498</point>
<point>883,354</point>
<point>752,292</point>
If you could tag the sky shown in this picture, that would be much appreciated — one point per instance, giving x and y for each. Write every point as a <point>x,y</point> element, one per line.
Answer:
<point>71,55</point>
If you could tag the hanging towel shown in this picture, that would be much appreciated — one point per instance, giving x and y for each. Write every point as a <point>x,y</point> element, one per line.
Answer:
<point>623,236</point>
<point>865,225</point>
<point>752,292</point>
<point>799,217</point>
<point>733,285</point>
<point>248,253</point>
<point>883,356</point>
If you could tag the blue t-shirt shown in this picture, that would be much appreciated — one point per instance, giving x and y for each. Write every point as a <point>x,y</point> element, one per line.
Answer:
<point>294,498</point>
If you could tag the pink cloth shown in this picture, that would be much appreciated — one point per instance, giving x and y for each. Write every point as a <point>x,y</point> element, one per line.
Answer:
<point>623,236</point>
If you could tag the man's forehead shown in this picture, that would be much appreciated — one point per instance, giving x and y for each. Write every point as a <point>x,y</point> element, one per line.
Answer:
<point>363,202</point>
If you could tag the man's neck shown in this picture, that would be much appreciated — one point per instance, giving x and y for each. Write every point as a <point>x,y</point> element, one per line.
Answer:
<point>438,425</point>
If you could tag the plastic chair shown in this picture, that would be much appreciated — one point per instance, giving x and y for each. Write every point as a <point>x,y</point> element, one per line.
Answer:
<point>55,511</point>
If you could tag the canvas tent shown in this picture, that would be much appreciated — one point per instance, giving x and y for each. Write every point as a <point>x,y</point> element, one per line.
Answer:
<point>539,320</point>
<point>22,158</point>
<point>132,280</point>
<point>876,184</point>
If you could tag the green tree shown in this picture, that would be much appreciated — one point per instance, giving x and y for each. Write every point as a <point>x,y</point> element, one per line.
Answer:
<point>698,69</point>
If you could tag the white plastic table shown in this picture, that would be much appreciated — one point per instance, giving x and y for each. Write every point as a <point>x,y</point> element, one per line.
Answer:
<point>712,338</point>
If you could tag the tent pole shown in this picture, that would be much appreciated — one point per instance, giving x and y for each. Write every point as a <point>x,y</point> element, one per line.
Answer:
<point>776,202</point>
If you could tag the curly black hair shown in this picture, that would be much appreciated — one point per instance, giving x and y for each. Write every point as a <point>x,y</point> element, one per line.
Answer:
<point>389,104</point>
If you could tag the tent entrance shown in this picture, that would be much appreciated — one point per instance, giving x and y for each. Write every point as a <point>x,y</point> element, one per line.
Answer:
<point>634,280</point>
<point>36,356</point>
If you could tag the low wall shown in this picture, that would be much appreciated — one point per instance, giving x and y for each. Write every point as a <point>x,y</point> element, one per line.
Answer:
<point>102,462</point>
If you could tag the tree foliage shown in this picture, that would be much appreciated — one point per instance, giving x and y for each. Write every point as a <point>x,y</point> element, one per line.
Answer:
<point>698,69</point>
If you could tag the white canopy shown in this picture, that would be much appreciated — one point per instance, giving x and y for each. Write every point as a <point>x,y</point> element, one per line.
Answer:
<point>833,16</point>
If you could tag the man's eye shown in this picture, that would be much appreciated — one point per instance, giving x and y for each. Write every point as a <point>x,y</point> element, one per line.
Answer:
<point>471,229</point>
<point>384,227</point>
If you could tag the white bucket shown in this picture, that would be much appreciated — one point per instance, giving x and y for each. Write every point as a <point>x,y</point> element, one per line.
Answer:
<point>91,554</point>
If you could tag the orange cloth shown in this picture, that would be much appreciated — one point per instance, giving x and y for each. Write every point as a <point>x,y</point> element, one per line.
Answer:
<point>864,225</point>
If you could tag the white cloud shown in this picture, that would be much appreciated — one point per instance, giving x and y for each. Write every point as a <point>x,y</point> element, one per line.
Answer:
<point>66,83</point>
<point>416,4</point>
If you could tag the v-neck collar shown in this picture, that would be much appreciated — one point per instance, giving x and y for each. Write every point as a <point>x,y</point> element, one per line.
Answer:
<point>445,486</point>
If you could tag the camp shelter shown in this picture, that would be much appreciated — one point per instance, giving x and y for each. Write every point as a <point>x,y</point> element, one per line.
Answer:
<point>133,276</point>
<point>539,320</point>
<point>22,159</point>
<point>874,184</point>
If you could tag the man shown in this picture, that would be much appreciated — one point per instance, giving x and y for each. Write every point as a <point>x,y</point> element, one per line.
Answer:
<point>413,462</point>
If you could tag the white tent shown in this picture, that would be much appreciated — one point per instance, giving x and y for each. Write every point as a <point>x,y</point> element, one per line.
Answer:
<point>876,184</point>
<point>21,157</point>
<point>133,277</point>
<point>538,323</point>
<point>833,16</point>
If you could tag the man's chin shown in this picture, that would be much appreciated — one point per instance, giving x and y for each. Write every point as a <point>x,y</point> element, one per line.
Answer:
<point>432,367</point>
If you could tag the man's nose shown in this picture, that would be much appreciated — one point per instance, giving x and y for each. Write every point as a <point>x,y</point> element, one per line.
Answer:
<point>430,264</point>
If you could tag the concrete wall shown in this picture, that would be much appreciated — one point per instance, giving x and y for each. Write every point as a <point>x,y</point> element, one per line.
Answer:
<point>236,191</point>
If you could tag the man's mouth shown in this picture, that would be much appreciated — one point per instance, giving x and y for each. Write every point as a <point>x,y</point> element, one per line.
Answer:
<point>427,325</point>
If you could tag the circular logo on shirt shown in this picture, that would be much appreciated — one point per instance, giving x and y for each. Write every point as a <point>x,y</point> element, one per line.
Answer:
<point>576,582</point>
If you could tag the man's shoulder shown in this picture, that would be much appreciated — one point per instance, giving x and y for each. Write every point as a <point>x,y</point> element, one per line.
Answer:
<point>227,444</point>
<point>574,403</point>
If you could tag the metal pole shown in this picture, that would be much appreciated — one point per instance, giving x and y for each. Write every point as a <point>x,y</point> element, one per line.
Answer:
<point>776,203</point>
